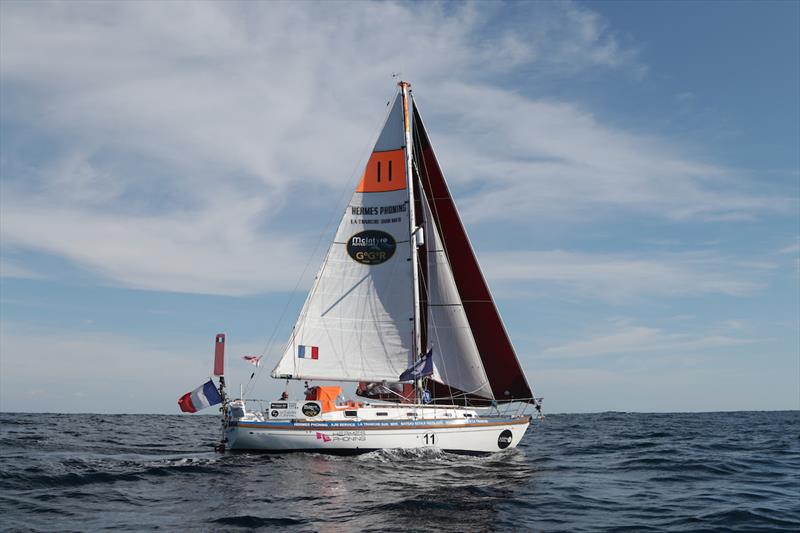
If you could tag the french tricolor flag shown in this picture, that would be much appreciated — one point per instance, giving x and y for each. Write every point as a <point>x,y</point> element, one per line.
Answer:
<point>204,396</point>
<point>308,352</point>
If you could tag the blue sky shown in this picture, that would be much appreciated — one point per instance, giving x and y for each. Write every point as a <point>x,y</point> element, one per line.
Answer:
<point>628,173</point>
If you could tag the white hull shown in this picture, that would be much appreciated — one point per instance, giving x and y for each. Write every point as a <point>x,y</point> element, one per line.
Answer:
<point>476,436</point>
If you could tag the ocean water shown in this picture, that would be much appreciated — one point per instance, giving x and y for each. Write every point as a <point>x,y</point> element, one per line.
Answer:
<point>590,472</point>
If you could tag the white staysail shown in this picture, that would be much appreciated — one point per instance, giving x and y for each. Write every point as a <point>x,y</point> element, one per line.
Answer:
<point>456,359</point>
<point>357,322</point>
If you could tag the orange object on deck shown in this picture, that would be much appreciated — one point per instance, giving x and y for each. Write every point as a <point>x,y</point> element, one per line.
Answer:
<point>326,395</point>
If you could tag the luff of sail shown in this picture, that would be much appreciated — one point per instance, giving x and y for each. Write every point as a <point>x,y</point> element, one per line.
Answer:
<point>359,312</point>
<point>499,360</point>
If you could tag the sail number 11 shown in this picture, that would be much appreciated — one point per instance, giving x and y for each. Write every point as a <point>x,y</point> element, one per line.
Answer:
<point>430,438</point>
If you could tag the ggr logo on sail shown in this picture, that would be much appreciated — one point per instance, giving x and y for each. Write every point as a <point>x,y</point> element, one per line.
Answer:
<point>371,247</point>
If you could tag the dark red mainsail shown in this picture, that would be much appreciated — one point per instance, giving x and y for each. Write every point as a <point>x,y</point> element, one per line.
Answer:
<point>500,362</point>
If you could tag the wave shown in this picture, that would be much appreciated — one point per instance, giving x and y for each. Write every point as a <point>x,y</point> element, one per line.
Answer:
<point>605,472</point>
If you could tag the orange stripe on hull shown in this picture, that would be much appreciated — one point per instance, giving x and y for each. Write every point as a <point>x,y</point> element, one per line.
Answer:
<point>386,171</point>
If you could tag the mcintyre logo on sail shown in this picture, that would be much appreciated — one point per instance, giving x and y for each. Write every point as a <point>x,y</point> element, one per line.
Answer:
<point>422,368</point>
<point>371,247</point>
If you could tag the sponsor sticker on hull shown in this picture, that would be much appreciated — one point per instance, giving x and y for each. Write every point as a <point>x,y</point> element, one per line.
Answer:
<point>311,409</point>
<point>342,436</point>
<point>504,440</point>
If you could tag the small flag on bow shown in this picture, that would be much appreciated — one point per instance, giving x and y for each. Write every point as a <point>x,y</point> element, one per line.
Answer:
<point>253,359</point>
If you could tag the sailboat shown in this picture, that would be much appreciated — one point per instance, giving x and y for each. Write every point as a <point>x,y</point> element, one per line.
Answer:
<point>400,307</point>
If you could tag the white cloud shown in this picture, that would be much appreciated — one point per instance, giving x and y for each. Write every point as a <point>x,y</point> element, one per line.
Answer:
<point>642,340</point>
<point>618,277</point>
<point>9,269</point>
<point>671,388</point>
<point>44,370</point>
<point>791,249</point>
<point>193,147</point>
<point>48,370</point>
<point>576,377</point>
<point>539,158</point>
<point>624,365</point>
<point>215,252</point>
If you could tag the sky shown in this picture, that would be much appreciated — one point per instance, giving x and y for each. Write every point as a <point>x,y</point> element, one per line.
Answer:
<point>628,172</point>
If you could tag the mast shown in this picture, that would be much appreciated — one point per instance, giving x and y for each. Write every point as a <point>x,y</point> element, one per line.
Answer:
<point>405,89</point>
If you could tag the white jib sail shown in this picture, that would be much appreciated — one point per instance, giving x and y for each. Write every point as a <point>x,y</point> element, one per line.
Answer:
<point>456,360</point>
<point>357,322</point>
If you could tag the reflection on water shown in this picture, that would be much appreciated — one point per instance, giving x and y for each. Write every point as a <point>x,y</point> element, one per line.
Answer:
<point>366,492</point>
<point>451,492</point>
